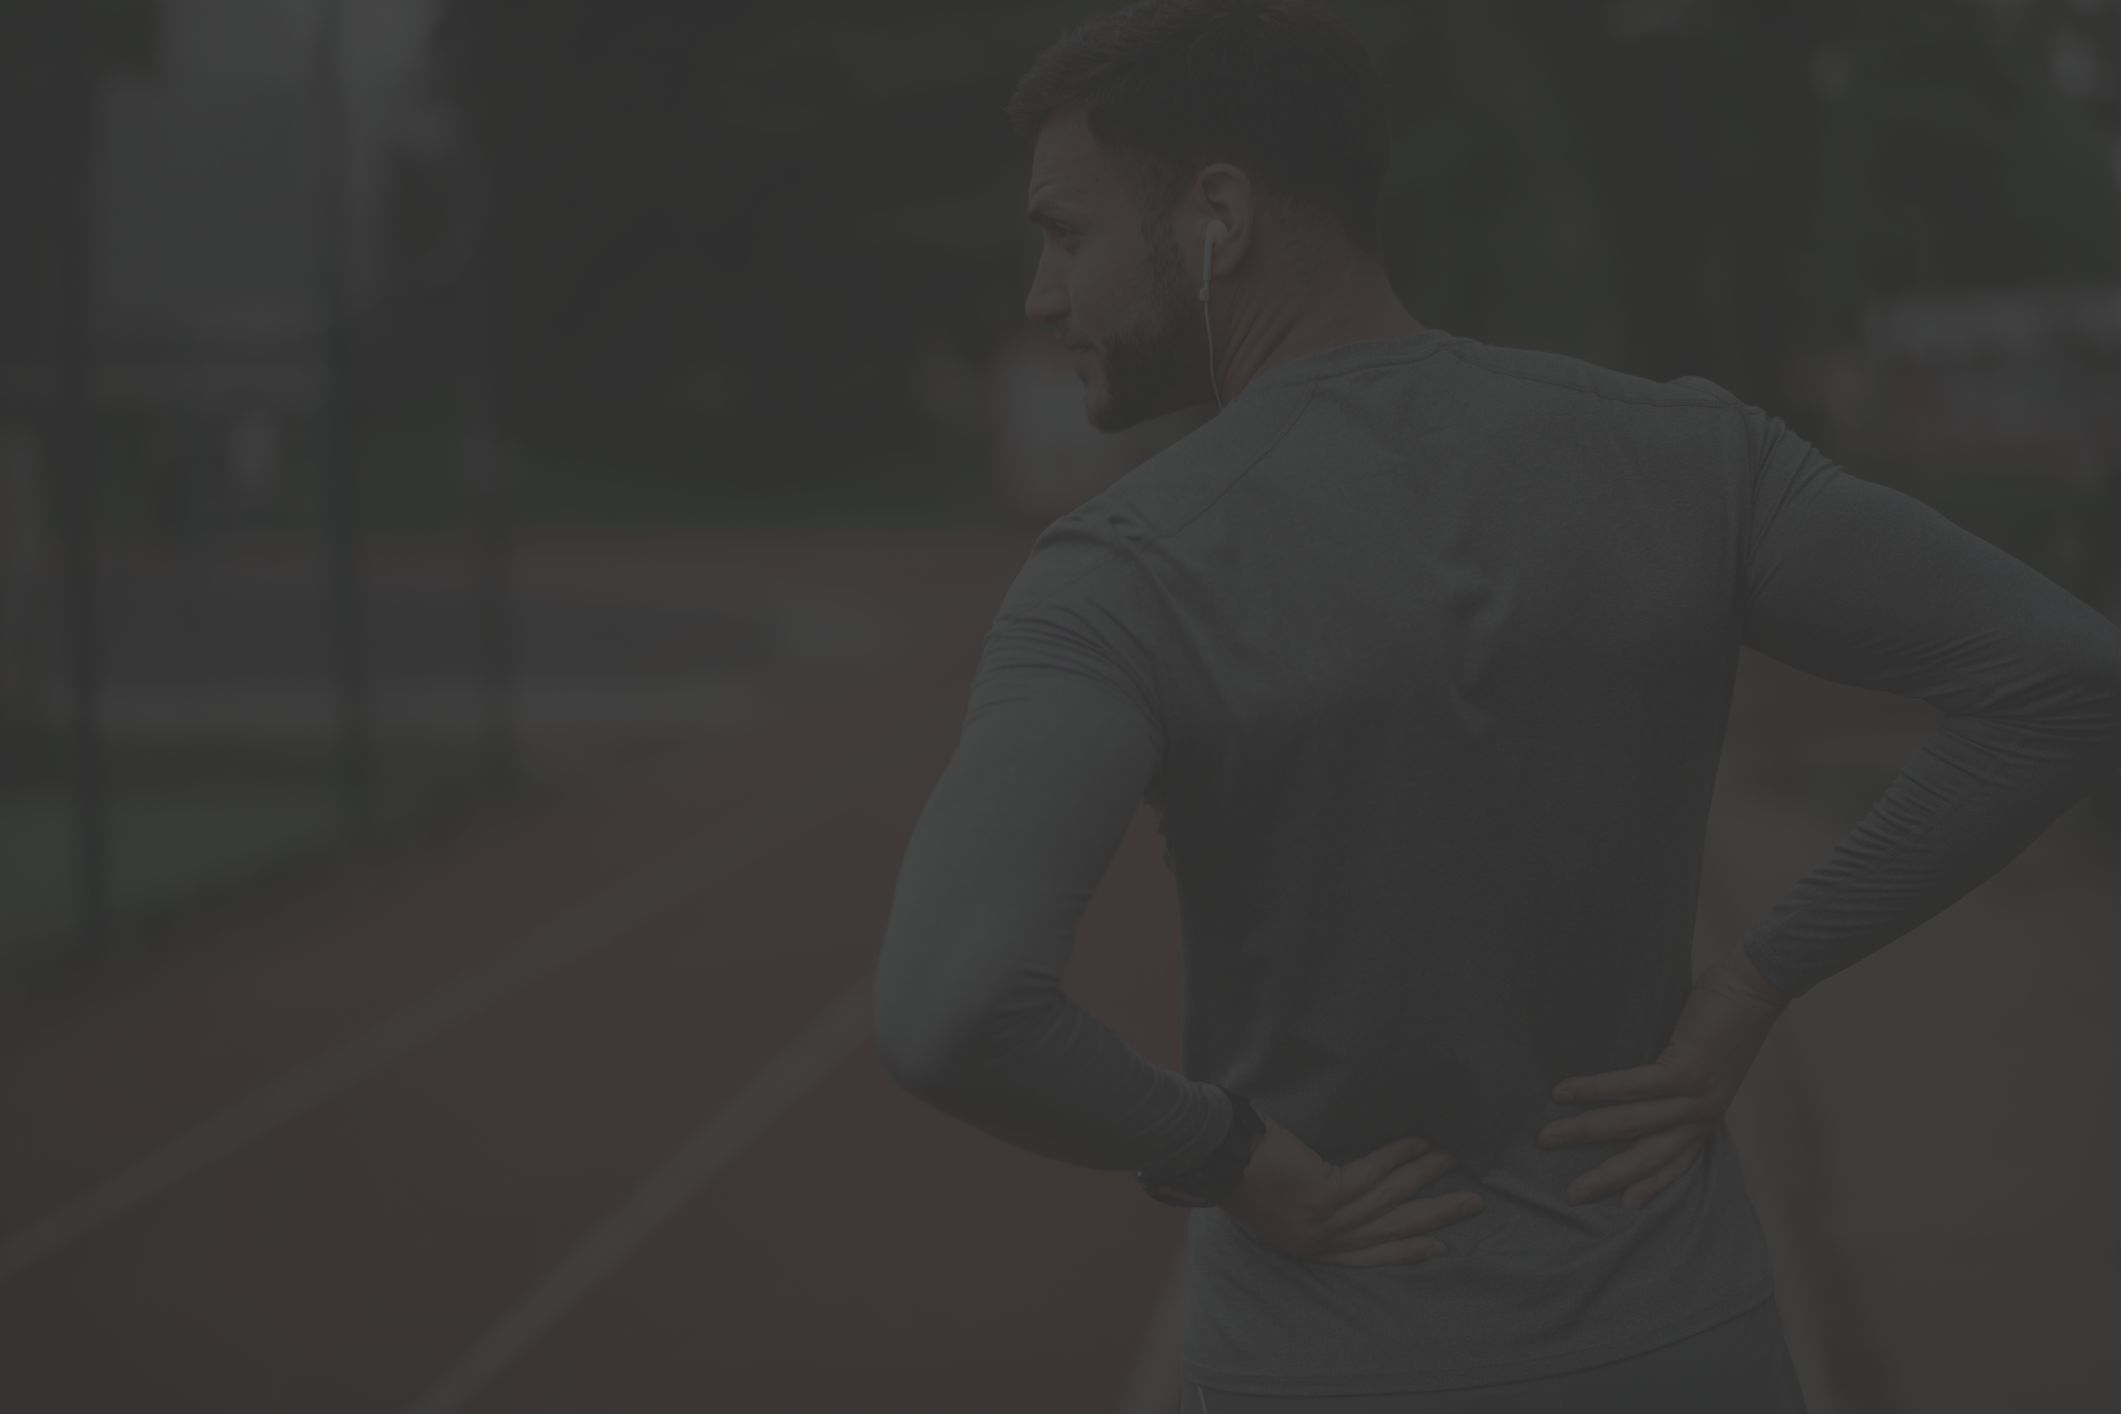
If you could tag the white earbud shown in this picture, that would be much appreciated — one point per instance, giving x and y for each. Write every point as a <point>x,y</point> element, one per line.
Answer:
<point>1216,231</point>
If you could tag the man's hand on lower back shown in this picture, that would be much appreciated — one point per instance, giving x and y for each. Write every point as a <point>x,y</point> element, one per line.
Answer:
<point>1361,1214</point>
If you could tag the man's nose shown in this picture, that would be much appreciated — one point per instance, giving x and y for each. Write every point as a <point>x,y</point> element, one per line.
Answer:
<point>1042,304</point>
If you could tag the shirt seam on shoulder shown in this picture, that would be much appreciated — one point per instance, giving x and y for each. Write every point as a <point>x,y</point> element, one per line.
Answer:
<point>1310,396</point>
<point>1130,555</point>
<point>1701,400</point>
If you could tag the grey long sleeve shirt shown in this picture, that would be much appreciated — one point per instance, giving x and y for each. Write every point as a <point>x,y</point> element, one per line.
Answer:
<point>1423,650</point>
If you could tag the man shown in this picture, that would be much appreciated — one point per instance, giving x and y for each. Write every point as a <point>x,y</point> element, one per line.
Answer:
<point>1423,650</point>
<point>1119,294</point>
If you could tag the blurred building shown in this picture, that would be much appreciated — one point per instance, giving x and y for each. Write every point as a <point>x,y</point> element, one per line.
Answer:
<point>209,249</point>
<point>2022,384</point>
<point>2029,378</point>
<point>207,185</point>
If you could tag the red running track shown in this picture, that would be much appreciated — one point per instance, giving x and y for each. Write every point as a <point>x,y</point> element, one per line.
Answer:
<point>578,1110</point>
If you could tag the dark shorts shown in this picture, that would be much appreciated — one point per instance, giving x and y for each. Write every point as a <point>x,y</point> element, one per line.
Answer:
<point>1739,1366</point>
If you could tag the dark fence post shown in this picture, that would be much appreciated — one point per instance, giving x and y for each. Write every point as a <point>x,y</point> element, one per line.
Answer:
<point>496,638</point>
<point>71,463</point>
<point>341,441</point>
<point>493,454</point>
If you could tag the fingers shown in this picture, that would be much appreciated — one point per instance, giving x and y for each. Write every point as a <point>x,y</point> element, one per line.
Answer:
<point>1624,1122</point>
<point>1371,1167</point>
<point>1649,1163</point>
<point>1644,1082</point>
<point>1354,1182</point>
<point>1411,1249</point>
<point>1403,1228</point>
<point>1365,1206</point>
<point>1641,1193</point>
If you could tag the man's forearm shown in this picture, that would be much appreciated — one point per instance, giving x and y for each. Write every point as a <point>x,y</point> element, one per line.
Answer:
<point>1740,969</point>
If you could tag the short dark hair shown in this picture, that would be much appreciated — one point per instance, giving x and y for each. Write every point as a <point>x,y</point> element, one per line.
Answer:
<point>1280,88</point>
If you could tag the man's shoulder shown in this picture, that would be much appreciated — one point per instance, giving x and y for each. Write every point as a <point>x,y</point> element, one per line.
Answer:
<point>1081,558</point>
<point>1578,374</point>
<point>1495,384</point>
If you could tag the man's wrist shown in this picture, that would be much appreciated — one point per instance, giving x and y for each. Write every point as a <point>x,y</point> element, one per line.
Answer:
<point>1740,967</point>
<point>1219,1175</point>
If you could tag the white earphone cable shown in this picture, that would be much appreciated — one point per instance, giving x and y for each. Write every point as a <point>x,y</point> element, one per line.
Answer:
<point>1216,230</point>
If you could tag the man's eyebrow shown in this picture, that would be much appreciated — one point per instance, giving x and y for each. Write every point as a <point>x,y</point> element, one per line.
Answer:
<point>1041,213</point>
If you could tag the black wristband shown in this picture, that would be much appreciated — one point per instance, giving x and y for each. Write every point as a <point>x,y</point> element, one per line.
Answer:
<point>1218,1176</point>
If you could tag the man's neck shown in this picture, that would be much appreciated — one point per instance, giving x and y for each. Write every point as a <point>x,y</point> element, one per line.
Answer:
<point>1364,317</point>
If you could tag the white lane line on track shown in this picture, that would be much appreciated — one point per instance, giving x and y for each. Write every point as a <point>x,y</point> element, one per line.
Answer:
<point>708,859</point>
<point>784,1081</point>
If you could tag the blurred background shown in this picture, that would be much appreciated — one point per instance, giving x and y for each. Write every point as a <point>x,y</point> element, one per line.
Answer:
<point>325,320</point>
<point>451,450</point>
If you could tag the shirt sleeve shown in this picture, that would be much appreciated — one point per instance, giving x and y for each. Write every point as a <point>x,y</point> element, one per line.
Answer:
<point>1864,585</point>
<point>1062,738</point>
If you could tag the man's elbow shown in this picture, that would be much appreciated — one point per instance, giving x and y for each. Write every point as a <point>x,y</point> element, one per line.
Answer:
<point>918,1050</point>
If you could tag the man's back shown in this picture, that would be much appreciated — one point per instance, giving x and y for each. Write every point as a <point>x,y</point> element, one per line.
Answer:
<point>1439,639</point>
